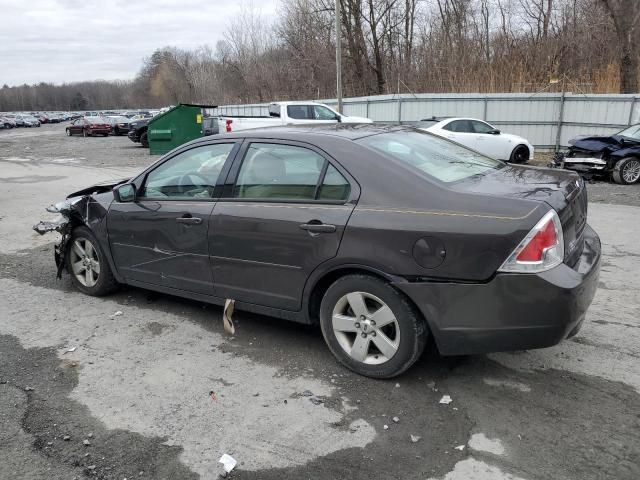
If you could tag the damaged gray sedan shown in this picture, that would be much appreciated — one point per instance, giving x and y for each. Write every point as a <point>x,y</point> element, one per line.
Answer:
<point>384,236</point>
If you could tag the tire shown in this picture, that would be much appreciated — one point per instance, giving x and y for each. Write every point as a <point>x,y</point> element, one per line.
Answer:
<point>626,171</point>
<point>144,140</point>
<point>68,132</point>
<point>520,154</point>
<point>90,273</point>
<point>402,338</point>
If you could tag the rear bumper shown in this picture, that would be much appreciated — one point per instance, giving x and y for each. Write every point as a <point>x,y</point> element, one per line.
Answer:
<point>512,311</point>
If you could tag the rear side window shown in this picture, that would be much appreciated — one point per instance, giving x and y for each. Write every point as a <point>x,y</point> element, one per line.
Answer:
<point>460,126</point>
<point>288,172</point>
<point>300,112</point>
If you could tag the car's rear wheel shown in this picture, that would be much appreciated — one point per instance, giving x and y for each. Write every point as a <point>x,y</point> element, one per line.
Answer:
<point>87,264</point>
<point>371,327</point>
<point>626,171</point>
<point>520,154</point>
<point>144,140</point>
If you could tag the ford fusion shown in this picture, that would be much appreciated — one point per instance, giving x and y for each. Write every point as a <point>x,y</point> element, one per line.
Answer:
<point>384,236</point>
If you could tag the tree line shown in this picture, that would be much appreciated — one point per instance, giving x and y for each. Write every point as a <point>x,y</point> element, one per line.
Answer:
<point>388,47</point>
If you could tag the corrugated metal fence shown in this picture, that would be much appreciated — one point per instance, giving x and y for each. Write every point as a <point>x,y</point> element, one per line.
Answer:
<point>547,120</point>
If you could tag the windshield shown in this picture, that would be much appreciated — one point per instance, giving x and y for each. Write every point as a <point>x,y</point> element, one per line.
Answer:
<point>631,132</point>
<point>437,157</point>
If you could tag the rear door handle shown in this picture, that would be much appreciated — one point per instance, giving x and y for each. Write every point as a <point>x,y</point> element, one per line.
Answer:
<point>318,228</point>
<point>189,220</point>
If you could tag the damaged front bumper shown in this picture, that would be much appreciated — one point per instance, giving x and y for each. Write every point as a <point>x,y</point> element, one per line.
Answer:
<point>63,224</point>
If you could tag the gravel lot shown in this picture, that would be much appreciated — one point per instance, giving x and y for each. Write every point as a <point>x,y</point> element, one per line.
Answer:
<point>133,399</point>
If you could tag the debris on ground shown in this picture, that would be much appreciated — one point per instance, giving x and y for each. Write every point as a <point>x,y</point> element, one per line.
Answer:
<point>316,400</point>
<point>395,419</point>
<point>415,438</point>
<point>446,399</point>
<point>117,314</point>
<point>228,462</point>
<point>307,393</point>
<point>386,427</point>
<point>70,350</point>
<point>397,385</point>
<point>213,395</point>
<point>66,438</point>
<point>459,447</point>
<point>86,442</point>
<point>227,322</point>
<point>28,389</point>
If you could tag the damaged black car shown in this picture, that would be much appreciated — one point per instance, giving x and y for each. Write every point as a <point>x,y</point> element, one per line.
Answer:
<point>616,156</point>
<point>384,236</point>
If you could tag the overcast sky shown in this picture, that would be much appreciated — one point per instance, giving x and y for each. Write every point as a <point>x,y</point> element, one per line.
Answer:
<point>70,40</point>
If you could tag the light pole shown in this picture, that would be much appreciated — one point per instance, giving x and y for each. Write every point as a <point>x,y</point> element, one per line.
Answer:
<point>338,56</point>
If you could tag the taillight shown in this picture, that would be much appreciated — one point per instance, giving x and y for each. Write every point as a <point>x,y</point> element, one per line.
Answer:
<point>542,248</point>
<point>228,125</point>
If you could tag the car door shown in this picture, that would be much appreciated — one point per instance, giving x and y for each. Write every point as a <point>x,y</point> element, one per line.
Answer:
<point>487,142</point>
<point>462,132</point>
<point>282,214</point>
<point>161,237</point>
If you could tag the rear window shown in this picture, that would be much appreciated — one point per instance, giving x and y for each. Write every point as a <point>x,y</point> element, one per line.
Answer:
<point>435,156</point>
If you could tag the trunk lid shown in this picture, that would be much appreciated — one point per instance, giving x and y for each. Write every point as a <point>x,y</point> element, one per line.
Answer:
<point>562,190</point>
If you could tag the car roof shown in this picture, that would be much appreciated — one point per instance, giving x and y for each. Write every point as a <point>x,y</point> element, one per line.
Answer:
<point>348,131</point>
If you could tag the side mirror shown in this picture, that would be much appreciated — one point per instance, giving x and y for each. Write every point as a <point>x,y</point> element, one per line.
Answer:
<point>339,117</point>
<point>495,131</point>
<point>125,193</point>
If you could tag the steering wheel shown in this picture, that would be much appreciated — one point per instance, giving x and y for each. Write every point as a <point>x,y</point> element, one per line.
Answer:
<point>185,181</point>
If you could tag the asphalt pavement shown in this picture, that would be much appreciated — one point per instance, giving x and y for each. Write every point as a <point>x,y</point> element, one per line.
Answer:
<point>144,385</point>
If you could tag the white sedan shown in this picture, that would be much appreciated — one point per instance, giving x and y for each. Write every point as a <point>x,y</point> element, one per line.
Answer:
<point>482,137</point>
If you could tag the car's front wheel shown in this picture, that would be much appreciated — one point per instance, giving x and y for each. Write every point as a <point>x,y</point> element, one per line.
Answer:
<point>144,140</point>
<point>520,154</point>
<point>87,264</point>
<point>371,327</point>
<point>627,171</point>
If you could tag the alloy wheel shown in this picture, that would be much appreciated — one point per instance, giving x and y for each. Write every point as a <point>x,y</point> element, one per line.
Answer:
<point>85,262</point>
<point>366,328</point>
<point>631,171</point>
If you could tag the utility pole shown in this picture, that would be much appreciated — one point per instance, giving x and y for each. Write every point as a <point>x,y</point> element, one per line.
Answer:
<point>338,56</point>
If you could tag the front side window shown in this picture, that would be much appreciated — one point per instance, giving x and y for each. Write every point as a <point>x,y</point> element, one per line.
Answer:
<point>437,157</point>
<point>323,113</point>
<point>189,175</point>
<point>481,127</point>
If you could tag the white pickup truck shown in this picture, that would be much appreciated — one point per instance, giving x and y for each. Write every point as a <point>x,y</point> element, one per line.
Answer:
<point>287,113</point>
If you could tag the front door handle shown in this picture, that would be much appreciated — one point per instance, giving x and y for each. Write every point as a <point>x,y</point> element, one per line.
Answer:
<point>189,220</point>
<point>318,228</point>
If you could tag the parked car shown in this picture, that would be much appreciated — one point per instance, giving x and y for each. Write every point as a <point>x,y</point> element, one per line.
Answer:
<point>616,156</point>
<point>287,113</point>
<point>7,122</point>
<point>209,126</point>
<point>88,127</point>
<point>482,137</point>
<point>382,235</point>
<point>138,132</point>
<point>119,124</point>
<point>16,119</point>
<point>29,120</point>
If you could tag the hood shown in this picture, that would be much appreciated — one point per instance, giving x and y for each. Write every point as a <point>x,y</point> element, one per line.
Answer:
<point>350,119</point>
<point>513,138</point>
<point>595,144</point>
<point>101,187</point>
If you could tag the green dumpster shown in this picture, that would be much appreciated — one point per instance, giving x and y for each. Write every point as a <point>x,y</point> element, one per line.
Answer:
<point>174,127</point>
